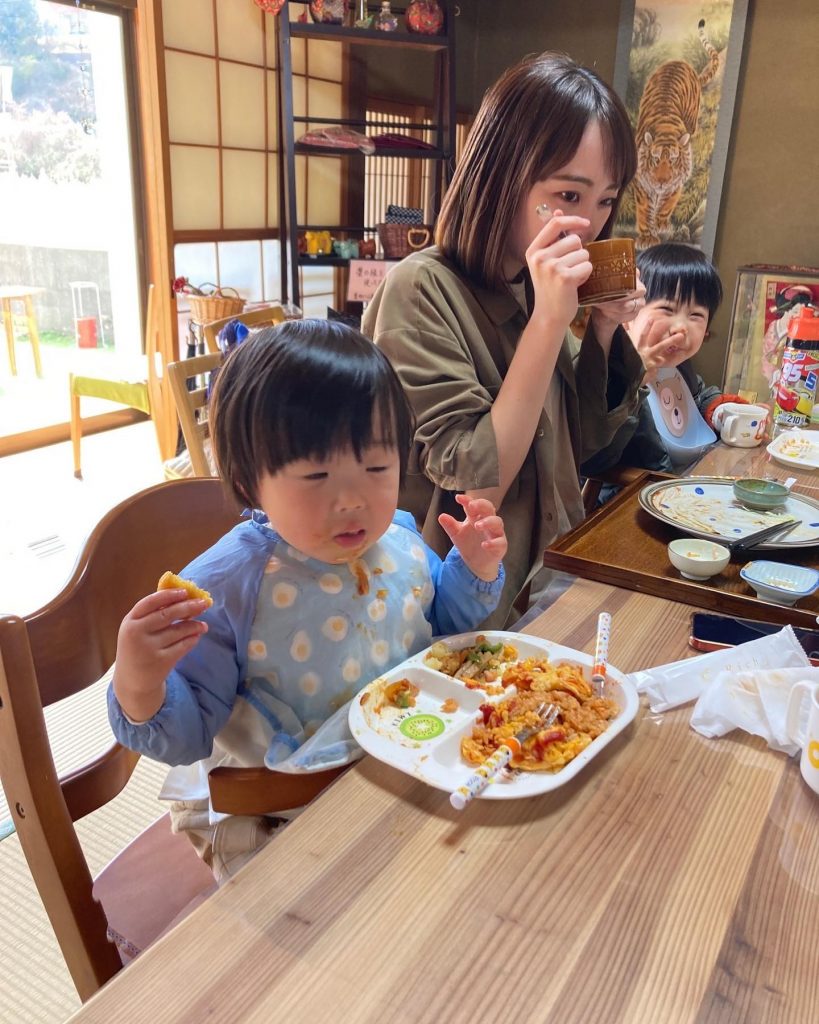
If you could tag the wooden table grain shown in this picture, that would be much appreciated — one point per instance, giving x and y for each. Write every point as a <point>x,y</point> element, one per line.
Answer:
<point>673,881</point>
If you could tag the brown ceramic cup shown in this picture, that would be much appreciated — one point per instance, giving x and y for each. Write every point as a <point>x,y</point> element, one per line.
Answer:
<point>613,271</point>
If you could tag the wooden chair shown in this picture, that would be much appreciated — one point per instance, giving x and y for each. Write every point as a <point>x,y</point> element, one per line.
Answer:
<point>62,649</point>
<point>260,317</point>
<point>137,383</point>
<point>58,651</point>
<point>191,406</point>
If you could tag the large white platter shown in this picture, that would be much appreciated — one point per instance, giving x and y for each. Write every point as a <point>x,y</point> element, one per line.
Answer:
<point>425,742</point>
<point>796,448</point>
<point>704,506</point>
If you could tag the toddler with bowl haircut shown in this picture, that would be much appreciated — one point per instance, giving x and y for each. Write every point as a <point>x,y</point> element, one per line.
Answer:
<point>324,587</point>
<point>683,291</point>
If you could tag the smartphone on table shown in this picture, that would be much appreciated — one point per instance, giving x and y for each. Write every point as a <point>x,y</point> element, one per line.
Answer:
<point>711,632</point>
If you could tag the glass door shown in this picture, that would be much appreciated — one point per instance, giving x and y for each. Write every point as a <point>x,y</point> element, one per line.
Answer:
<point>69,280</point>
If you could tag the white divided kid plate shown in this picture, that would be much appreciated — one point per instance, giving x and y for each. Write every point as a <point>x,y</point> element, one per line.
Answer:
<point>424,740</point>
<point>796,448</point>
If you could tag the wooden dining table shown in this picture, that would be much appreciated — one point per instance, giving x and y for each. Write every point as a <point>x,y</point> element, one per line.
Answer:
<point>674,880</point>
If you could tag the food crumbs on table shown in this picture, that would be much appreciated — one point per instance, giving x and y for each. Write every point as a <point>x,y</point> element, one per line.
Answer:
<point>381,594</point>
<point>449,706</point>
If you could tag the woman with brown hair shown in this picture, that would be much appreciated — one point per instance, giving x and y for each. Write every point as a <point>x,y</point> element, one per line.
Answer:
<point>507,401</point>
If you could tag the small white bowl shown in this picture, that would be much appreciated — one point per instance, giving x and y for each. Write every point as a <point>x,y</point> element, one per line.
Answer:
<point>778,582</point>
<point>698,559</point>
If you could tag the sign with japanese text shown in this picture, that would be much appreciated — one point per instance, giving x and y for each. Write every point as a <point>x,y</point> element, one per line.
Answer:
<point>365,277</point>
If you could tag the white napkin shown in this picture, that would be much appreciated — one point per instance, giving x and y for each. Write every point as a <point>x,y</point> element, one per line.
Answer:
<point>755,701</point>
<point>668,686</point>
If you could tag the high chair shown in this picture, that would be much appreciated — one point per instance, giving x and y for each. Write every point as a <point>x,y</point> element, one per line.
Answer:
<point>67,646</point>
<point>58,651</point>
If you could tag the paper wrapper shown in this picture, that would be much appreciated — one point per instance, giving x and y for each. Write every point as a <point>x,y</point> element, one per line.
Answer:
<point>668,686</point>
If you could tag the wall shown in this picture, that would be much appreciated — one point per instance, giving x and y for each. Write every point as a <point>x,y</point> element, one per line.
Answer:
<point>769,211</point>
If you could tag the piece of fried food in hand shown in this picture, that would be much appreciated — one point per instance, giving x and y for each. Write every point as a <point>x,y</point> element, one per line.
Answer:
<point>170,581</point>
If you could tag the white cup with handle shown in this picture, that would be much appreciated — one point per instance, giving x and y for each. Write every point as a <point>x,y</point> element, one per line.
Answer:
<point>742,426</point>
<point>808,737</point>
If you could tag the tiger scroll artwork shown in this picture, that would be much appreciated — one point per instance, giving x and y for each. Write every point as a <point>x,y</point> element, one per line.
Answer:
<point>677,69</point>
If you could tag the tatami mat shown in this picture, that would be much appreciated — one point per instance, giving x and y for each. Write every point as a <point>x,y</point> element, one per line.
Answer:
<point>35,986</point>
<point>44,516</point>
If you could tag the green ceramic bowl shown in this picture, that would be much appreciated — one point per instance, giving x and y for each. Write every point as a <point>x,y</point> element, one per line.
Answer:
<point>760,493</point>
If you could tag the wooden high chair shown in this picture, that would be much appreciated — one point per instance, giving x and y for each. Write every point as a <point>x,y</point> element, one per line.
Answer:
<point>188,379</point>
<point>58,651</point>
<point>66,647</point>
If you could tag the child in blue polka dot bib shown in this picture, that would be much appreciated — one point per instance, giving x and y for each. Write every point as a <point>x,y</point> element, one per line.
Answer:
<point>323,587</point>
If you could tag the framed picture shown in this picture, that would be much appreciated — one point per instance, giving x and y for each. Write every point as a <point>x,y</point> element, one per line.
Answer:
<point>677,68</point>
<point>765,297</point>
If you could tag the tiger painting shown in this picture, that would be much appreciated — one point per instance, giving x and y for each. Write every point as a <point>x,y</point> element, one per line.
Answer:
<point>667,118</point>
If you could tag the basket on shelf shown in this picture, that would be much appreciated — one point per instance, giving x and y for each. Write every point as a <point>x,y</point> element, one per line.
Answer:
<point>399,240</point>
<point>215,306</point>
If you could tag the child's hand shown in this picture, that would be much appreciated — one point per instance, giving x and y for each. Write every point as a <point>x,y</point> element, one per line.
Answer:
<point>154,635</point>
<point>668,350</point>
<point>480,538</point>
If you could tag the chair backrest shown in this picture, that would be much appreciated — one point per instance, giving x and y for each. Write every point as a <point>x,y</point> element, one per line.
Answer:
<point>63,648</point>
<point>191,400</point>
<point>259,317</point>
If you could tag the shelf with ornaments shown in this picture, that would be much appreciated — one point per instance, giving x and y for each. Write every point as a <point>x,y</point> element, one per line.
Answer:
<point>415,27</point>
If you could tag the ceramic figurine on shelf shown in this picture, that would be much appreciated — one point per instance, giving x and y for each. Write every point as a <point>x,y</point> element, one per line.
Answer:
<point>328,12</point>
<point>425,16</point>
<point>363,17</point>
<point>385,20</point>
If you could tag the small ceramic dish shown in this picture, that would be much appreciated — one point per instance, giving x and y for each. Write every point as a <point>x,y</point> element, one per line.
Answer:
<point>758,493</point>
<point>698,559</point>
<point>779,582</point>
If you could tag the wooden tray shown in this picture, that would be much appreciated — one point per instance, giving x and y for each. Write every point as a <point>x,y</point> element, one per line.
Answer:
<point>623,545</point>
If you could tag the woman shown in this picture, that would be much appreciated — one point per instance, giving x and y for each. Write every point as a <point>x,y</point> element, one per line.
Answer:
<point>507,401</point>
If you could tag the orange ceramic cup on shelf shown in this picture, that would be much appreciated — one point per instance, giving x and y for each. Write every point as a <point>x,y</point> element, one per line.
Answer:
<point>614,272</point>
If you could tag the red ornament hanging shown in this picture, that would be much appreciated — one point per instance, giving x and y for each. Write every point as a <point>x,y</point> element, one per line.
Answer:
<point>270,6</point>
<point>425,16</point>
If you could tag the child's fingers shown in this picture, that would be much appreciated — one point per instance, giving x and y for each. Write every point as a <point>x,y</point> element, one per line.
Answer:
<point>491,526</point>
<point>155,602</point>
<point>479,508</point>
<point>180,612</point>
<point>449,524</point>
<point>497,545</point>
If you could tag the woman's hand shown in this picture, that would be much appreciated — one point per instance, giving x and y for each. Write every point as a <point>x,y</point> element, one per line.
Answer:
<point>607,316</point>
<point>154,635</point>
<point>558,264</point>
<point>480,538</point>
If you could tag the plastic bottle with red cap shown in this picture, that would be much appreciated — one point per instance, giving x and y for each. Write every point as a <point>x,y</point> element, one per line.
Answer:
<point>796,389</point>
